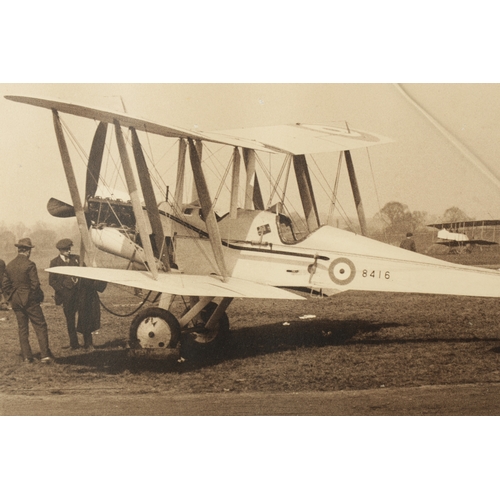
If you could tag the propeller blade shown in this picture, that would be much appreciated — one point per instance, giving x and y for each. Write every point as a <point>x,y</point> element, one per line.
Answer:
<point>95,160</point>
<point>58,208</point>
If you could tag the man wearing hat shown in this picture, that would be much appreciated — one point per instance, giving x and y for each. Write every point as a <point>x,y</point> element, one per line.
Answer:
<point>409,243</point>
<point>22,288</point>
<point>66,288</point>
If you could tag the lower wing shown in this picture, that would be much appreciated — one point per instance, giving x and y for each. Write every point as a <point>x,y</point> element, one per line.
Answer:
<point>179,284</point>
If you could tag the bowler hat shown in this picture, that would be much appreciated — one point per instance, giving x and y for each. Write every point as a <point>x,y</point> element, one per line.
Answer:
<point>24,243</point>
<point>64,243</point>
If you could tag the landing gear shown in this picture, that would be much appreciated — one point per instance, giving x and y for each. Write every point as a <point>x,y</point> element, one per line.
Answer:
<point>199,339</point>
<point>205,329</point>
<point>154,328</point>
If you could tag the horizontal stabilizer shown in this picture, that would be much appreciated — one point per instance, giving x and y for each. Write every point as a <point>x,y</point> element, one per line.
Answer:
<point>179,284</point>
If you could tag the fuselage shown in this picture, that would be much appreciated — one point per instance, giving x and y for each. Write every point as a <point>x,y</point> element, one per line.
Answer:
<point>260,246</point>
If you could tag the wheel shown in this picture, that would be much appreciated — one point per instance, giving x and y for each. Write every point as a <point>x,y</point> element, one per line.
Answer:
<point>200,341</point>
<point>154,328</point>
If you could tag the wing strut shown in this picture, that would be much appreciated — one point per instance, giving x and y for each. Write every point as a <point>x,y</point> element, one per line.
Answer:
<point>355,192</point>
<point>73,189</point>
<point>235,182</point>
<point>258,201</point>
<point>194,190</point>
<point>150,200</point>
<point>252,188</point>
<point>136,202</point>
<point>306,192</point>
<point>207,209</point>
<point>179,184</point>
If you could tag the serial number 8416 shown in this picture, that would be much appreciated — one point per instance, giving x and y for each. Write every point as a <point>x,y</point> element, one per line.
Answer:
<point>376,274</point>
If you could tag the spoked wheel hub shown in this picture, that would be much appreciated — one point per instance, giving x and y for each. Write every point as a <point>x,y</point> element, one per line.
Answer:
<point>154,328</point>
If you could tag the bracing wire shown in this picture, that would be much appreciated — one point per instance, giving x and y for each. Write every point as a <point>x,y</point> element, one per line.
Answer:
<point>335,191</point>
<point>326,184</point>
<point>373,178</point>
<point>285,199</point>
<point>223,180</point>
<point>273,189</point>
<point>84,157</point>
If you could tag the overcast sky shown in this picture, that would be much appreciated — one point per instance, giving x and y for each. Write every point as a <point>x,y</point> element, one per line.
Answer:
<point>265,43</point>
<point>421,168</point>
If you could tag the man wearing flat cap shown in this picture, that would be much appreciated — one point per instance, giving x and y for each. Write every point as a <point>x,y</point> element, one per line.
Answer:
<point>66,287</point>
<point>22,289</point>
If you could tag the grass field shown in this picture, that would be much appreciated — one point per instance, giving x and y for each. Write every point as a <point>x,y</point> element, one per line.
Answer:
<point>354,341</point>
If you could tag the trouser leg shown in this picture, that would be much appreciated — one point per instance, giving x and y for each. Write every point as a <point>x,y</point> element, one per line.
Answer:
<point>40,326</point>
<point>70,314</point>
<point>23,330</point>
<point>87,339</point>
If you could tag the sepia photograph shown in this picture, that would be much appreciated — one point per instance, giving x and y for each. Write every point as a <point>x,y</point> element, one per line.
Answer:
<point>238,259</point>
<point>268,261</point>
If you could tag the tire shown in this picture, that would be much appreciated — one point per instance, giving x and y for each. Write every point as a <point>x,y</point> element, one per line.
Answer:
<point>194,342</point>
<point>154,328</point>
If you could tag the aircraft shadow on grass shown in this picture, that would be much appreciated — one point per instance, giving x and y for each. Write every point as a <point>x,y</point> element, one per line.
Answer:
<point>113,357</point>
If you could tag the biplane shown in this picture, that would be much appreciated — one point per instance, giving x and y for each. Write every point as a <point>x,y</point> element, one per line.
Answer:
<point>462,236</point>
<point>254,249</point>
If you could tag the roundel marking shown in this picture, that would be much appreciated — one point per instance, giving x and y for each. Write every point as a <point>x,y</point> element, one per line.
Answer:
<point>342,271</point>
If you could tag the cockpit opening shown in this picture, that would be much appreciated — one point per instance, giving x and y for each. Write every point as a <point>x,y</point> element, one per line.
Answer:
<point>286,229</point>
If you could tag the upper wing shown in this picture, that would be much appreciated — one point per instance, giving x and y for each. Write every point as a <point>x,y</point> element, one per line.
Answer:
<point>179,284</point>
<point>467,223</point>
<point>294,139</point>
<point>137,123</point>
<point>301,138</point>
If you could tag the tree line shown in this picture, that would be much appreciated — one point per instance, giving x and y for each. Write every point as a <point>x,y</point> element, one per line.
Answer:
<point>396,219</point>
<point>43,236</point>
<point>391,224</point>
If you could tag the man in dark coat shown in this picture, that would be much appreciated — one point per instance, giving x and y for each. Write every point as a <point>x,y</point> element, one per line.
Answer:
<point>22,288</point>
<point>66,288</point>
<point>89,310</point>
<point>409,243</point>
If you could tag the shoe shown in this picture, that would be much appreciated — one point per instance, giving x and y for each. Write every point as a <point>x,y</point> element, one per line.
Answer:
<point>47,360</point>
<point>28,360</point>
<point>89,348</point>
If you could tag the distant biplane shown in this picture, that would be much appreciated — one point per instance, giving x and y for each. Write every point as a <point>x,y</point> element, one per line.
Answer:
<point>253,249</point>
<point>462,236</point>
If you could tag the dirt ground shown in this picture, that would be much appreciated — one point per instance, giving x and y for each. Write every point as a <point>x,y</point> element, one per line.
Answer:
<point>351,354</point>
<point>465,400</point>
